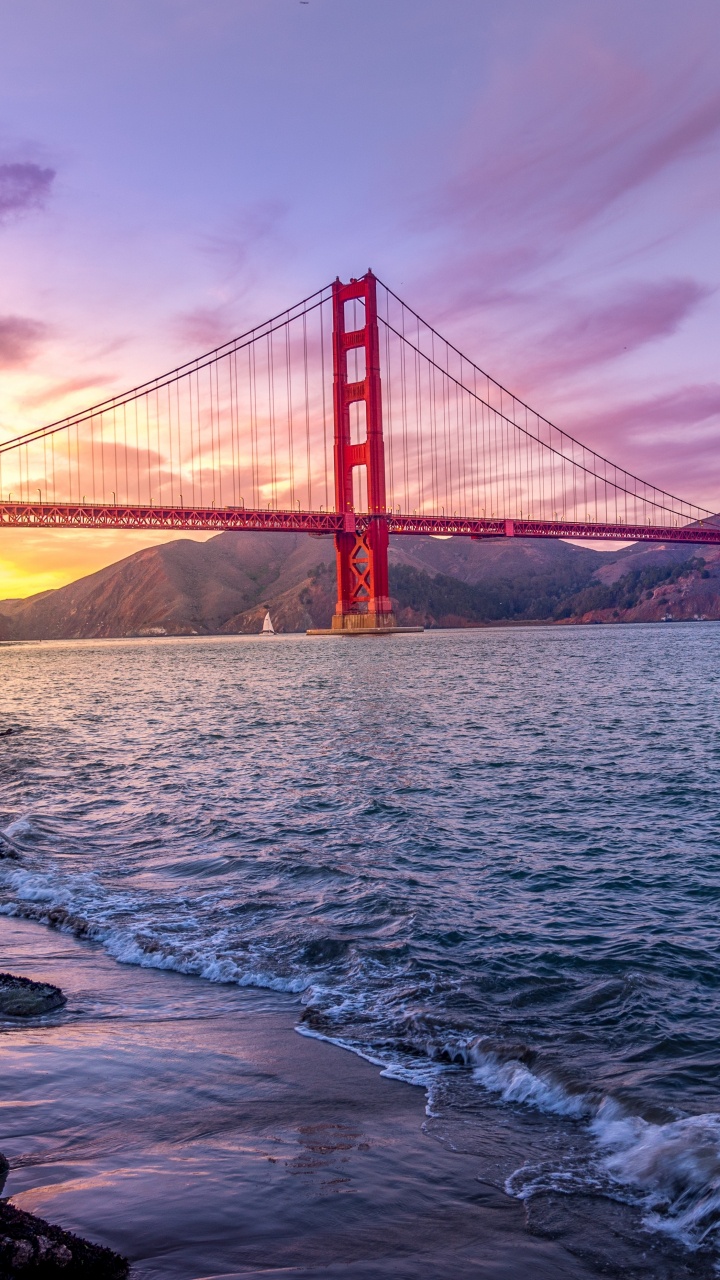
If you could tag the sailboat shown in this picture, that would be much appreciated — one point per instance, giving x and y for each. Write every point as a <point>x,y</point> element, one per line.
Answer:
<point>267,626</point>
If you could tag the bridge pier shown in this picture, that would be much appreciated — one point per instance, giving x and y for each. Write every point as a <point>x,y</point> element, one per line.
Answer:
<point>363,605</point>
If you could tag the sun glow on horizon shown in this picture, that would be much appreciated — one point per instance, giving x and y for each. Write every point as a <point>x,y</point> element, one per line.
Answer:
<point>37,560</point>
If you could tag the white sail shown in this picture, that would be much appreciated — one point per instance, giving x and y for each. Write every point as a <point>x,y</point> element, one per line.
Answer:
<point>267,626</point>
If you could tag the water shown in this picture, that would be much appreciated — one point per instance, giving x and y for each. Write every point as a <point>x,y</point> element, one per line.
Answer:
<point>485,860</point>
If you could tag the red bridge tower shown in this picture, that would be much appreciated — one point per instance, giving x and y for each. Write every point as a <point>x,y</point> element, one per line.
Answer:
<point>363,602</point>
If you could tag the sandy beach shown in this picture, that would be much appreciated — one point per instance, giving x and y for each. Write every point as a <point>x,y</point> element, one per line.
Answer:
<point>187,1126</point>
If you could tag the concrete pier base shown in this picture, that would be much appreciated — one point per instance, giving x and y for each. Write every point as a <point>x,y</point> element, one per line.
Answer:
<point>363,624</point>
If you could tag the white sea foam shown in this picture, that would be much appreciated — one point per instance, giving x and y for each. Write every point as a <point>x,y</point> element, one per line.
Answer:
<point>676,1166</point>
<point>21,826</point>
<point>422,1075</point>
<point>672,1171</point>
<point>31,888</point>
<point>81,907</point>
<point>516,1082</point>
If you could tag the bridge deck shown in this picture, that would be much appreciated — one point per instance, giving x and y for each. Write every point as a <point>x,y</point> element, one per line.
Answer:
<point>42,515</point>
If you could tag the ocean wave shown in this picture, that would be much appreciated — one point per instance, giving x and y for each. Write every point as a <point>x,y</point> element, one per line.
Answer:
<point>21,826</point>
<point>506,1070</point>
<point>671,1170</point>
<point>78,907</point>
<point>675,1166</point>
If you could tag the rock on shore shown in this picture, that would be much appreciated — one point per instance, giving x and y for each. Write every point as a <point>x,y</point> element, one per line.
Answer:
<point>32,1248</point>
<point>23,998</point>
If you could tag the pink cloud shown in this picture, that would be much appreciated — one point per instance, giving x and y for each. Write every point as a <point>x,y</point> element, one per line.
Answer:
<point>566,166</point>
<point>239,250</point>
<point>669,439</point>
<point>687,406</point>
<point>205,328</point>
<point>59,390</point>
<point>552,147</point>
<point>562,171</point>
<point>562,168</point>
<point>592,335</point>
<point>20,338</point>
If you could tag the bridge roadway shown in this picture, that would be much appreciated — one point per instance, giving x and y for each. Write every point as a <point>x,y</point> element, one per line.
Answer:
<point>49,515</point>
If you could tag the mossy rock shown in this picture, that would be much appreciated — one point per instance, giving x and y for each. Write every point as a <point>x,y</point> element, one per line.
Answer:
<point>23,998</point>
<point>32,1248</point>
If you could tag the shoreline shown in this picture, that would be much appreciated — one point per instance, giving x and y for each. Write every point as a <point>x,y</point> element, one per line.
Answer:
<point>185,1125</point>
<point>501,624</point>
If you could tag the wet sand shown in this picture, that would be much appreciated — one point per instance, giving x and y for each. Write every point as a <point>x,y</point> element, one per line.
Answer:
<point>187,1126</point>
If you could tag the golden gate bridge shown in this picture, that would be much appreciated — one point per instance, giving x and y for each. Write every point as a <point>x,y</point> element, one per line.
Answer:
<point>346,415</point>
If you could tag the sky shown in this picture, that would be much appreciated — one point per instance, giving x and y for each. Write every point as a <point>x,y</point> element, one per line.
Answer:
<point>541,181</point>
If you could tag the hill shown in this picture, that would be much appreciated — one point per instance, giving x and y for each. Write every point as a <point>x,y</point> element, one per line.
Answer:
<point>178,588</point>
<point>651,591</point>
<point>223,586</point>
